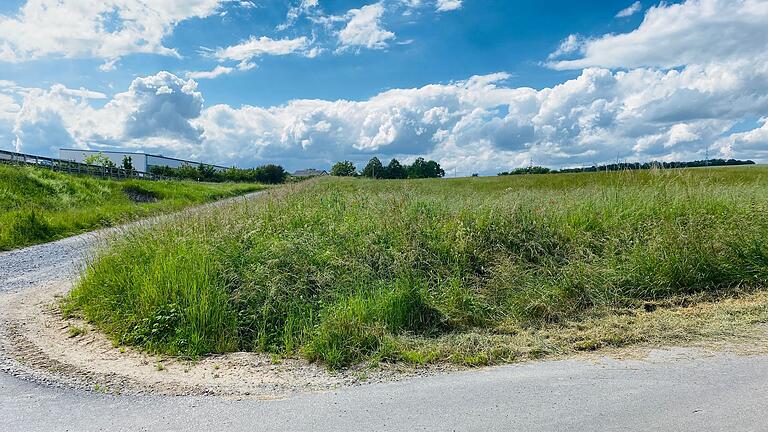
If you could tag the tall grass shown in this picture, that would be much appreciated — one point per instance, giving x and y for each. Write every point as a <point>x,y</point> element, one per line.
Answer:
<point>345,270</point>
<point>38,205</point>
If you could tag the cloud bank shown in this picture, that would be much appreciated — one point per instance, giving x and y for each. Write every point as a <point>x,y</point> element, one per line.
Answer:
<point>105,29</point>
<point>639,105</point>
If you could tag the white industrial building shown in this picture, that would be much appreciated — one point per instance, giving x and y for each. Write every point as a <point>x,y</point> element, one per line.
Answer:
<point>141,161</point>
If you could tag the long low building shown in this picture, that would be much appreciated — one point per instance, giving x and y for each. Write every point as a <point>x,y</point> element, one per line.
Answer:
<point>141,161</point>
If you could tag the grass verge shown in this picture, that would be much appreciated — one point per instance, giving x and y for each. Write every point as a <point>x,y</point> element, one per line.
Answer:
<point>38,205</point>
<point>473,271</point>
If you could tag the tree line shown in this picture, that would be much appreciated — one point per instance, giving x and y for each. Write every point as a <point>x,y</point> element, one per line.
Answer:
<point>623,166</point>
<point>420,168</point>
<point>269,174</point>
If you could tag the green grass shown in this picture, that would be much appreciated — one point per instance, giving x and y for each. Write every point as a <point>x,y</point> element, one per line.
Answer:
<point>473,271</point>
<point>39,205</point>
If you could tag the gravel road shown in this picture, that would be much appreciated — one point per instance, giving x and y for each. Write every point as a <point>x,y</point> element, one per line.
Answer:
<point>50,262</point>
<point>60,260</point>
<point>678,389</point>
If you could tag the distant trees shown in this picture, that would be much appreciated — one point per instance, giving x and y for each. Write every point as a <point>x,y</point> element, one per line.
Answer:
<point>623,166</point>
<point>527,170</point>
<point>374,169</point>
<point>425,169</point>
<point>395,170</point>
<point>658,164</point>
<point>183,172</point>
<point>344,169</point>
<point>269,174</point>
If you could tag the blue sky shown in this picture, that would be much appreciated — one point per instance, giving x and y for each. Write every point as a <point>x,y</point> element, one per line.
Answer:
<point>481,85</point>
<point>484,36</point>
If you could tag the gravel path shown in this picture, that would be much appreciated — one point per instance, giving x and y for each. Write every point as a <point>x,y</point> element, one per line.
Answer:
<point>678,389</point>
<point>60,260</point>
<point>57,261</point>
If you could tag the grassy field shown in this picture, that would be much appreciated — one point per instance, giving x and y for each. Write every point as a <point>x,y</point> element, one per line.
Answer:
<point>38,205</point>
<point>474,271</point>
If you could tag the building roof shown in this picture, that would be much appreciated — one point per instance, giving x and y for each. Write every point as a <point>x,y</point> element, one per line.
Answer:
<point>144,154</point>
<point>310,172</point>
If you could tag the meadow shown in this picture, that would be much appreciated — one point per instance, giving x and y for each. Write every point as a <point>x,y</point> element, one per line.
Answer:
<point>471,271</point>
<point>39,205</point>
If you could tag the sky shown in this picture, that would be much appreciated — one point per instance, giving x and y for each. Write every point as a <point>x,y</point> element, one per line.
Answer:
<point>480,86</point>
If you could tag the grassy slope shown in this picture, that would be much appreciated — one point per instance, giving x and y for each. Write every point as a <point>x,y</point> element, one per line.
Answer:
<point>38,205</point>
<point>468,270</point>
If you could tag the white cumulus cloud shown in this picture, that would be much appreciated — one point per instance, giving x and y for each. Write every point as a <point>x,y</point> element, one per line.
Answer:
<point>363,28</point>
<point>630,10</point>
<point>751,144</point>
<point>657,110</point>
<point>304,7</point>
<point>247,51</point>
<point>104,29</point>
<point>448,5</point>
<point>156,112</point>
<point>674,35</point>
<point>262,46</point>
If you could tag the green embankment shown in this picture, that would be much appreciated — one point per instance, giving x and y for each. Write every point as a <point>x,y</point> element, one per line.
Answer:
<point>39,205</point>
<point>473,271</point>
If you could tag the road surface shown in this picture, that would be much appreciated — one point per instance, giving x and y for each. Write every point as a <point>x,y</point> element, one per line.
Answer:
<point>675,390</point>
<point>711,394</point>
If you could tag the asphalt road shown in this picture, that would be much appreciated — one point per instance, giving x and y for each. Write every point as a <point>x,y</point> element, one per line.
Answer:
<point>711,394</point>
<point>675,390</point>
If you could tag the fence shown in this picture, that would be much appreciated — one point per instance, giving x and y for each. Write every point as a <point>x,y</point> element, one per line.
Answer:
<point>73,167</point>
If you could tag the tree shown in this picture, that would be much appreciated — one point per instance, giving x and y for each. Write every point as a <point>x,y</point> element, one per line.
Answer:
<point>206,173</point>
<point>425,169</point>
<point>127,163</point>
<point>434,170</point>
<point>395,170</point>
<point>99,159</point>
<point>344,169</point>
<point>374,169</point>
<point>271,174</point>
